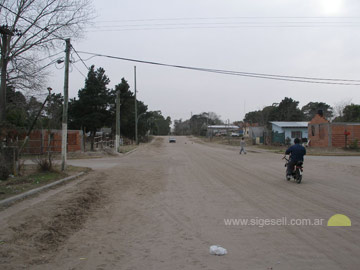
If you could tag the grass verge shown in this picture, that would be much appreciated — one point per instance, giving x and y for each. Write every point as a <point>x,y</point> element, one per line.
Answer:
<point>31,179</point>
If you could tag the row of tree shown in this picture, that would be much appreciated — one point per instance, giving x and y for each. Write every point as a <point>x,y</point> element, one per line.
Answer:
<point>288,110</point>
<point>197,124</point>
<point>94,108</point>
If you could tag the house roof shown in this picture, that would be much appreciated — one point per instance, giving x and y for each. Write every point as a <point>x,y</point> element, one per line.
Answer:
<point>291,124</point>
<point>223,127</point>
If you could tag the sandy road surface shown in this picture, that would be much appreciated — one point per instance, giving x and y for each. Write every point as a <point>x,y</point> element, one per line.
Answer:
<point>165,204</point>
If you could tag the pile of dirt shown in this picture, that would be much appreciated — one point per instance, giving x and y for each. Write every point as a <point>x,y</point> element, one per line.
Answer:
<point>68,219</point>
<point>34,239</point>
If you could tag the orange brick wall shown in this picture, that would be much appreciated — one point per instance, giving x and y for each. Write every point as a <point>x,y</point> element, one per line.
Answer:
<point>321,137</point>
<point>318,131</point>
<point>338,136</point>
<point>325,134</point>
<point>38,141</point>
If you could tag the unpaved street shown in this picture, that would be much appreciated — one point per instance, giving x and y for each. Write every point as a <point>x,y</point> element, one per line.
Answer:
<point>162,206</point>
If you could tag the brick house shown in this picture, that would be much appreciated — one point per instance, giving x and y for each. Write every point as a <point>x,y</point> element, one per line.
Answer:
<point>322,133</point>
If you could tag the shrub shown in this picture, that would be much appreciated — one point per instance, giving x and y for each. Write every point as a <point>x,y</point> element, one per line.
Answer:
<point>45,164</point>
<point>4,172</point>
<point>354,144</point>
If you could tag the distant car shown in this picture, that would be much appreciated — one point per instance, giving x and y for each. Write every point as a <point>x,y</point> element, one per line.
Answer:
<point>234,134</point>
<point>172,139</point>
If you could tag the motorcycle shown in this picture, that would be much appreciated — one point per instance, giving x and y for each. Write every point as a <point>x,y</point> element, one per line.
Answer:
<point>296,173</point>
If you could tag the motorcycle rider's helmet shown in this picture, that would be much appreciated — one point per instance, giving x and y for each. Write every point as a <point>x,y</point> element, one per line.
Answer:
<point>297,140</point>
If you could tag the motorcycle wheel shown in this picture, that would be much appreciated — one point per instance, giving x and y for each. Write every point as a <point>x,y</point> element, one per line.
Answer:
<point>298,177</point>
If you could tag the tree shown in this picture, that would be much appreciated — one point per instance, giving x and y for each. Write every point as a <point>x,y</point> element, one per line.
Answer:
<point>157,123</point>
<point>127,111</point>
<point>351,113</point>
<point>339,109</point>
<point>53,110</point>
<point>312,108</point>
<point>261,117</point>
<point>40,26</point>
<point>287,110</point>
<point>16,112</point>
<point>182,127</point>
<point>91,110</point>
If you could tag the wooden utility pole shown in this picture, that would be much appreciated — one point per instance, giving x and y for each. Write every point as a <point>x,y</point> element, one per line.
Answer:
<point>5,32</point>
<point>65,106</point>
<point>117,138</point>
<point>136,119</point>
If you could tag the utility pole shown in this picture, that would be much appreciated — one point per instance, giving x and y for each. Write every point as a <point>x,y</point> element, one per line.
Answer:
<point>5,32</point>
<point>117,138</point>
<point>65,107</point>
<point>136,119</point>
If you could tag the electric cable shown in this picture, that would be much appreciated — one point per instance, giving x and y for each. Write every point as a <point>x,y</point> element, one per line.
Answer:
<point>241,73</point>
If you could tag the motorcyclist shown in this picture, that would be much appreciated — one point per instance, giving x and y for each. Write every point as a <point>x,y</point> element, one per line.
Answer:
<point>297,153</point>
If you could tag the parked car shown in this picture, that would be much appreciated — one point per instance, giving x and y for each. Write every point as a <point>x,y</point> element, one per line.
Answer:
<point>235,134</point>
<point>172,140</point>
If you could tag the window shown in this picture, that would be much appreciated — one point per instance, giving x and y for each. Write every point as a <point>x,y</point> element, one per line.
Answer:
<point>296,134</point>
<point>312,130</point>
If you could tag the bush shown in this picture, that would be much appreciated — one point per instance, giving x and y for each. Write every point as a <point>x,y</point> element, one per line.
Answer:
<point>4,172</point>
<point>354,144</point>
<point>45,164</point>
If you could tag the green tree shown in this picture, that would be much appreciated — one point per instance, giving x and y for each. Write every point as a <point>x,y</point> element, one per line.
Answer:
<point>287,110</point>
<point>53,110</point>
<point>157,123</point>
<point>91,110</point>
<point>261,117</point>
<point>351,113</point>
<point>16,110</point>
<point>127,111</point>
<point>312,108</point>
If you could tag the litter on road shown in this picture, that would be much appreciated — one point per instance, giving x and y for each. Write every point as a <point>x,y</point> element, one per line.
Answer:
<point>217,250</point>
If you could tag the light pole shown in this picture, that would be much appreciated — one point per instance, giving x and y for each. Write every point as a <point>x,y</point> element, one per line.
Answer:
<point>117,137</point>
<point>136,128</point>
<point>136,117</point>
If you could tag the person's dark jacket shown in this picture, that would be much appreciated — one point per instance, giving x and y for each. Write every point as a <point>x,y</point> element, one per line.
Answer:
<point>297,152</point>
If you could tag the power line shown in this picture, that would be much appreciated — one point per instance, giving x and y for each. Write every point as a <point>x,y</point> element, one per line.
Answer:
<point>233,24</point>
<point>218,27</point>
<point>231,18</point>
<point>80,57</point>
<point>78,70</point>
<point>240,73</point>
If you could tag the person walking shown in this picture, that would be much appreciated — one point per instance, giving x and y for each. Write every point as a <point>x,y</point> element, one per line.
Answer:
<point>242,146</point>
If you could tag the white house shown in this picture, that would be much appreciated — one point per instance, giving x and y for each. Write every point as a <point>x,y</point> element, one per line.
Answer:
<point>283,130</point>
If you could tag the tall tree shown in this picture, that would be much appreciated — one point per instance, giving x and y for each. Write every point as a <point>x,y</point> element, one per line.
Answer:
<point>312,108</point>
<point>90,111</point>
<point>287,110</point>
<point>127,110</point>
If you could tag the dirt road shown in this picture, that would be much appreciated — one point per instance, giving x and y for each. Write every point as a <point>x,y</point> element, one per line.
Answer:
<point>163,206</point>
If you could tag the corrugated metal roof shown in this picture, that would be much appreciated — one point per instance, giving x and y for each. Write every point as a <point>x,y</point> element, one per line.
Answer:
<point>223,127</point>
<point>291,124</point>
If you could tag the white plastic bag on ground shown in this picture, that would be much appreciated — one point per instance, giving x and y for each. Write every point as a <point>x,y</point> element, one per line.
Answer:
<point>217,250</point>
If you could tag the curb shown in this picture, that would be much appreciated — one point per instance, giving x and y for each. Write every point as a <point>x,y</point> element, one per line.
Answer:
<point>128,153</point>
<point>36,190</point>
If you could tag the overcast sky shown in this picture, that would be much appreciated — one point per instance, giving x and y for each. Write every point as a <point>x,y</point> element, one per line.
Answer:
<point>307,38</point>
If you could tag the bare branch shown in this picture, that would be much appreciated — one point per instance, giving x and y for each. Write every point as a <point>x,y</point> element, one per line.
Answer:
<point>44,25</point>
